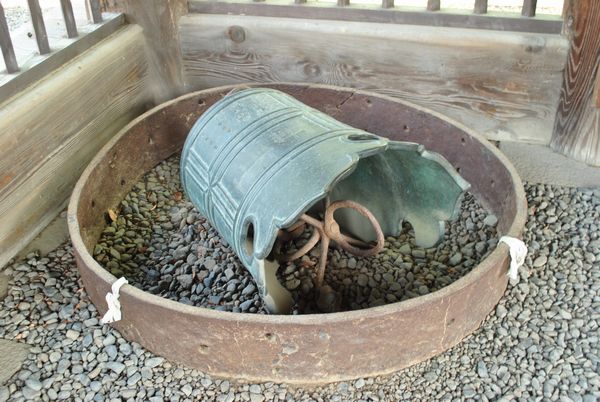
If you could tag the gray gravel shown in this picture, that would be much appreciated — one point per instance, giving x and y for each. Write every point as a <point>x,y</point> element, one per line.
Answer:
<point>158,240</point>
<point>540,343</point>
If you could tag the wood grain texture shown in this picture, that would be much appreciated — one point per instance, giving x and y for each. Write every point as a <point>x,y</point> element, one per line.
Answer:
<point>50,131</point>
<point>577,125</point>
<point>159,19</point>
<point>504,85</point>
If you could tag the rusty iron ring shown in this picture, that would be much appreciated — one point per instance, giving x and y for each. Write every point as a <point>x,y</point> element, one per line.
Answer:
<point>321,341</point>
<point>332,229</point>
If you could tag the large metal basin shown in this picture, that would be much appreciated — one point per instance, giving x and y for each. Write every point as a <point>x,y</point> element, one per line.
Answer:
<point>303,349</point>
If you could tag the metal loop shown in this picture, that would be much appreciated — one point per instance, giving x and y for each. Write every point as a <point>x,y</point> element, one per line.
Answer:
<point>327,231</point>
<point>332,229</point>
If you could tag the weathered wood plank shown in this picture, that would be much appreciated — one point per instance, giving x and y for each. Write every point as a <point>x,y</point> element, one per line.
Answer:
<point>505,85</point>
<point>8,51</point>
<point>37,19</point>
<point>48,133</point>
<point>480,7</point>
<point>529,7</point>
<point>159,19</point>
<point>70,24</point>
<point>433,5</point>
<point>375,13</point>
<point>577,125</point>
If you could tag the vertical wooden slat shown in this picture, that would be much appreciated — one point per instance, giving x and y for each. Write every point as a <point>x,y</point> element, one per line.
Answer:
<point>577,123</point>
<point>433,5</point>
<point>67,10</point>
<point>6,43</point>
<point>387,3</point>
<point>38,26</point>
<point>343,3</point>
<point>94,9</point>
<point>300,1</point>
<point>528,9</point>
<point>480,7</point>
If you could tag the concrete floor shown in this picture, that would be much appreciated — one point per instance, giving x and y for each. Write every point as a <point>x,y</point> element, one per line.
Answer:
<point>539,164</point>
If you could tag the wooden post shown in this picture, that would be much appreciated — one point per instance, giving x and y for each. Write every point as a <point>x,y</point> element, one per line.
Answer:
<point>433,5</point>
<point>387,3</point>
<point>160,22</point>
<point>37,19</point>
<point>8,51</point>
<point>480,7</point>
<point>343,3</point>
<point>67,10</point>
<point>94,11</point>
<point>528,9</point>
<point>577,123</point>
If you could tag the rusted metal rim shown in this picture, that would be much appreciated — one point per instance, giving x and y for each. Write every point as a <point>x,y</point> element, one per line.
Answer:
<point>302,349</point>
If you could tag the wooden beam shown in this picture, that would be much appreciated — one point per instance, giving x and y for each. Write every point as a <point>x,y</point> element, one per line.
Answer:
<point>528,9</point>
<point>160,21</point>
<point>484,88</point>
<point>67,10</point>
<point>375,13</point>
<point>433,5</point>
<point>37,19</point>
<point>49,132</point>
<point>8,51</point>
<point>343,3</point>
<point>480,6</point>
<point>577,124</point>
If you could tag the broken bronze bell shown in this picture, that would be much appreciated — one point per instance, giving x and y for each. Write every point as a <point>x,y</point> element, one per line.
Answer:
<point>259,165</point>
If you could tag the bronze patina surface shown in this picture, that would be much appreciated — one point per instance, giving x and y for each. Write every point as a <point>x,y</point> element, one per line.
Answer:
<point>258,160</point>
<point>316,348</point>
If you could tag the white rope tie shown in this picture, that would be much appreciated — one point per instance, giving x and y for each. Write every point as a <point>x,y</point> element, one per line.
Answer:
<point>114,305</point>
<point>518,252</point>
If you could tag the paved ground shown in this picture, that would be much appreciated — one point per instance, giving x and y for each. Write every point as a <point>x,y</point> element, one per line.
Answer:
<point>539,164</point>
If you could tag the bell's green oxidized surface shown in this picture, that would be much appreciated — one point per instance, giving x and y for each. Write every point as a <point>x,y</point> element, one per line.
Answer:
<point>258,159</point>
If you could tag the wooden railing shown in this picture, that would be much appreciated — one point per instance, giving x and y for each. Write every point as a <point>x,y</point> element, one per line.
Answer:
<point>39,28</point>
<point>432,13</point>
<point>55,47</point>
